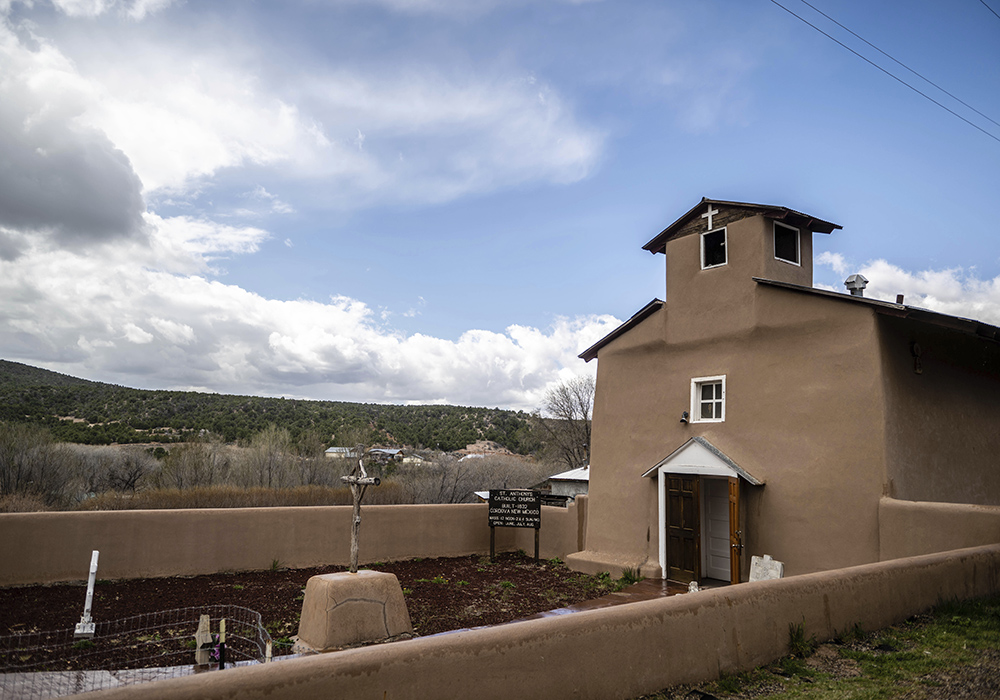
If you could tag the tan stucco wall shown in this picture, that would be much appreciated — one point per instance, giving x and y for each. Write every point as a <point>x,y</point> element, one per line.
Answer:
<point>45,547</point>
<point>618,652</point>
<point>803,412</point>
<point>942,431</point>
<point>908,528</point>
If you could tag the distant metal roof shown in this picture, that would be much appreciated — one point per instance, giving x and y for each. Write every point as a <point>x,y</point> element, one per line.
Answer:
<point>578,474</point>
<point>771,211</point>
<point>637,318</point>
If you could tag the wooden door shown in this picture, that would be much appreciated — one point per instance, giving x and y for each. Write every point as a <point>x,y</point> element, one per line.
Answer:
<point>735,533</point>
<point>683,528</point>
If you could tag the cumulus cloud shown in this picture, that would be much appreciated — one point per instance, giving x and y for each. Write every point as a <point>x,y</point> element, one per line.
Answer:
<point>96,283</point>
<point>148,114</point>
<point>955,291</point>
<point>58,177</point>
<point>111,317</point>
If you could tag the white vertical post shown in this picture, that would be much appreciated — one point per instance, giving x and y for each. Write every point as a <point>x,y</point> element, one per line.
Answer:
<point>85,628</point>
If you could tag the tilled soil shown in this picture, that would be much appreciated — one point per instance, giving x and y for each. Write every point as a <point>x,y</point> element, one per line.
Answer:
<point>441,595</point>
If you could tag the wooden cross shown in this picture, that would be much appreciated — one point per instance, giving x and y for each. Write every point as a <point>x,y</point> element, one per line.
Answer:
<point>709,214</point>
<point>359,481</point>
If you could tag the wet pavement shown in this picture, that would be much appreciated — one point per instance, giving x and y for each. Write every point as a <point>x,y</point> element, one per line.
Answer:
<point>647,589</point>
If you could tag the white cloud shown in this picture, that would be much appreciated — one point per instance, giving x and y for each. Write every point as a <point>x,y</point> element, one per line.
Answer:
<point>58,177</point>
<point>180,117</point>
<point>135,315</point>
<point>136,10</point>
<point>136,335</point>
<point>835,261</point>
<point>956,291</point>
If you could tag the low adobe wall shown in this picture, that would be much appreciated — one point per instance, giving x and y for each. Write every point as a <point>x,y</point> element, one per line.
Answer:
<point>617,652</point>
<point>909,528</point>
<point>47,547</point>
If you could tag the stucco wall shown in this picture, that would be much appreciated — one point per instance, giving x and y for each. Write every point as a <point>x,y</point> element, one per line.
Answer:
<point>803,412</point>
<point>617,652</point>
<point>45,547</point>
<point>908,528</point>
<point>942,438</point>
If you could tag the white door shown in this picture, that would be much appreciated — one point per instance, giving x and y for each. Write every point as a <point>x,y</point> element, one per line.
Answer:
<point>715,529</point>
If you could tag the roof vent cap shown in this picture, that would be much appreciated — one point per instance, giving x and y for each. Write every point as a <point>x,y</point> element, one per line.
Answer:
<point>856,285</point>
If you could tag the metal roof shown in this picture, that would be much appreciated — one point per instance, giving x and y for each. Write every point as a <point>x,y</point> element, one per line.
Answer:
<point>578,474</point>
<point>771,211</point>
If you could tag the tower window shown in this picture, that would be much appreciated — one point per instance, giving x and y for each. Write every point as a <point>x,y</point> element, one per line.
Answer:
<point>786,243</point>
<point>713,248</point>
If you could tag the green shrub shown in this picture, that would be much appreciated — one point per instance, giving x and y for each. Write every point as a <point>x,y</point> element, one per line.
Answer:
<point>798,645</point>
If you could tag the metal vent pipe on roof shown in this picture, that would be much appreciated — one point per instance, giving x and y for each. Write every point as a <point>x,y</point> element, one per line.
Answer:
<point>856,285</point>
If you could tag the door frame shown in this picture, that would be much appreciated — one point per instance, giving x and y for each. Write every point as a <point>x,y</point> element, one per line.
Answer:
<point>735,528</point>
<point>698,457</point>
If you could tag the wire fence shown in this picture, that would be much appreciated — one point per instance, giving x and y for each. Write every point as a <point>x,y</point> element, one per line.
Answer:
<point>131,650</point>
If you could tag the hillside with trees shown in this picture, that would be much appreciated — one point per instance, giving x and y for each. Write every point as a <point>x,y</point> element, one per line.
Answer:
<point>94,413</point>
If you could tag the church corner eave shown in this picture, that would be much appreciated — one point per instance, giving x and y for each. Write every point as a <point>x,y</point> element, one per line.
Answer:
<point>967,326</point>
<point>637,318</point>
<point>720,458</point>
<point>779,213</point>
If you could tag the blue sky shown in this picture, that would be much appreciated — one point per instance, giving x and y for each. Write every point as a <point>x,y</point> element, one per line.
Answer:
<point>445,200</point>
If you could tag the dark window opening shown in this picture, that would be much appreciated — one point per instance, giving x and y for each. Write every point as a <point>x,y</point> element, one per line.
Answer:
<point>786,243</point>
<point>713,248</point>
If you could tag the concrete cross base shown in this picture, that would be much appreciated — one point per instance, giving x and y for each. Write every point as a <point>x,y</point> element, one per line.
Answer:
<point>344,608</point>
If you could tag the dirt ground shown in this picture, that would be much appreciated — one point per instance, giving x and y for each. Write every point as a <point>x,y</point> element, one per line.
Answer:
<point>441,594</point>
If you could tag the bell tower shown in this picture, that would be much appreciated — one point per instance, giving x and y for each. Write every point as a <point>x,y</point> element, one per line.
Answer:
<point>715,250</point>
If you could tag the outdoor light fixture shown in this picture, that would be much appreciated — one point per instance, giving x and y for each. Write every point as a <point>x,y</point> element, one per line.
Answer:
<point>684,416</point>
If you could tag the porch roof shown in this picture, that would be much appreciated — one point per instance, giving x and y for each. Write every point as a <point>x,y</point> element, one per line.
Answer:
<point>699,456</point>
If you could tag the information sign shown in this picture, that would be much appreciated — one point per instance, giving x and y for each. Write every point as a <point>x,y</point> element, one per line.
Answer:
<point>515,508</point>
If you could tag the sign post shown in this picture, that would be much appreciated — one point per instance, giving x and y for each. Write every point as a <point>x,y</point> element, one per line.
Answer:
<point>514,508</point>
<point>85,627</point>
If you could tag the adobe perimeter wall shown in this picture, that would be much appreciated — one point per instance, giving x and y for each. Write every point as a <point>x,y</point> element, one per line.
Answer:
<point>617,652</point>
<point>909,528</point>
<point>47,547</point>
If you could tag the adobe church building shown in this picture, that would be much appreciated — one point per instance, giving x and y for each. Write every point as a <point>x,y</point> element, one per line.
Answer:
<point>750,413</point>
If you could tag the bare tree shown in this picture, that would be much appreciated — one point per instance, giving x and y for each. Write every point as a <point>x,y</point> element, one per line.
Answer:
<point>564,421</point>
<point>268,457</point>
<point>447,479</point>
<point>30,464</point>
<point>204,462</point>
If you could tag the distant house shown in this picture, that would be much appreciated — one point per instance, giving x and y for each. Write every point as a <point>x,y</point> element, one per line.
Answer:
<point>386,454</point>
<point>340,452</point>
<point>570,484</point>
<point>751,413</point>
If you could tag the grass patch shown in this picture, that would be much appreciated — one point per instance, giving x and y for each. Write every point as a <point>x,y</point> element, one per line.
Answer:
<point>926,656</point>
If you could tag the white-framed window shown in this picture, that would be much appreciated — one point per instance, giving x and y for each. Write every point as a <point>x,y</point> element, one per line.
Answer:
<point>708,399</point>
<point>786,244</point>
<point>713,248</point>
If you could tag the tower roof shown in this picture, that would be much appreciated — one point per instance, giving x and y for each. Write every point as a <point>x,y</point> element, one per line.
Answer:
<point>779,213</point>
